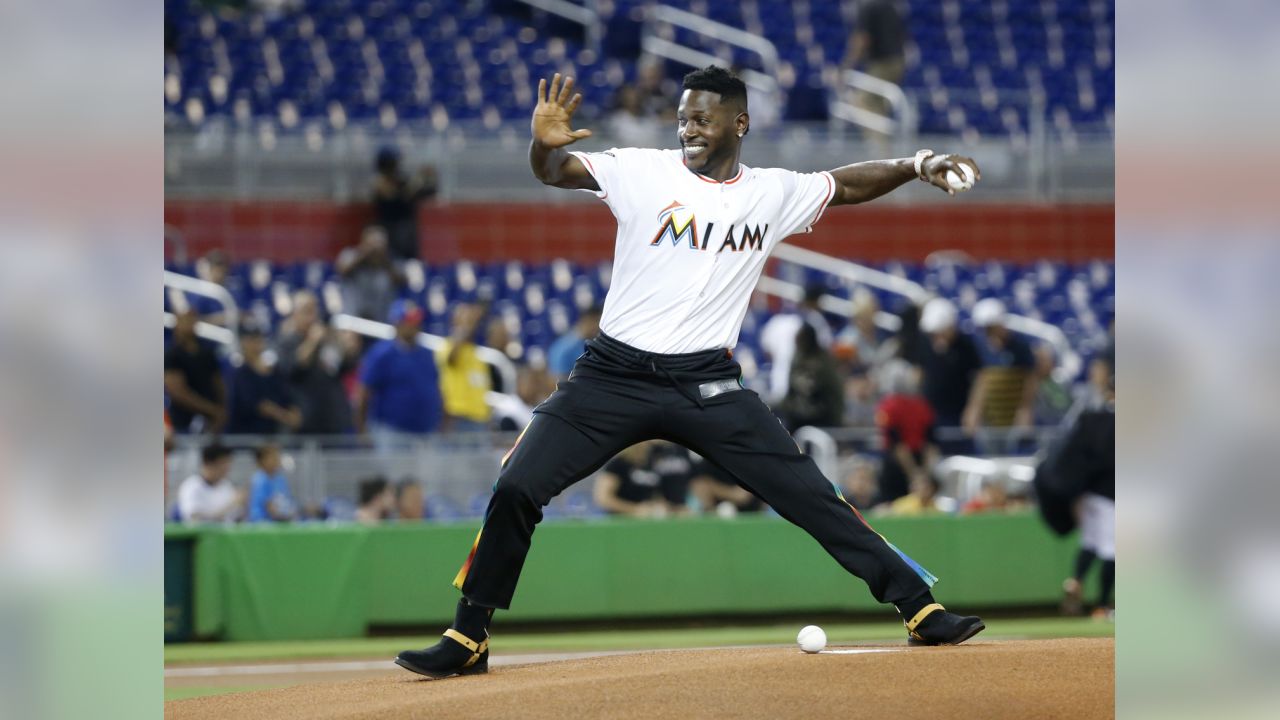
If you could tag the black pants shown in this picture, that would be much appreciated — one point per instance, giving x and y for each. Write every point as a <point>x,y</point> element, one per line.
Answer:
<point>618,396</point>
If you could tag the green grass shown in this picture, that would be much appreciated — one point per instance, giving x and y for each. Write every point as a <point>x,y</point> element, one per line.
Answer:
<point>838,633</point>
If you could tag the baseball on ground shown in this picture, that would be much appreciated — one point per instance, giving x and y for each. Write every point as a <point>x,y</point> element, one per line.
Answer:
<point>812,639</point>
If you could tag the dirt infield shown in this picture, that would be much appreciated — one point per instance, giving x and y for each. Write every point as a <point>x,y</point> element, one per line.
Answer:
<point>1068,678</point>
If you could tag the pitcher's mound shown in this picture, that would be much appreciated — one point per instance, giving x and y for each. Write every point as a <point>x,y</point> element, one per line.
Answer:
<point>1068,678</point>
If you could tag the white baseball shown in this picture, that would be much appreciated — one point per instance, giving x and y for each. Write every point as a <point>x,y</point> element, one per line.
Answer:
<point>961,183</point>
<point>812,639</point>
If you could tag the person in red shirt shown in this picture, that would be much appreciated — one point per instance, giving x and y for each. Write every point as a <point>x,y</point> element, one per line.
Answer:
<point>907,422</point>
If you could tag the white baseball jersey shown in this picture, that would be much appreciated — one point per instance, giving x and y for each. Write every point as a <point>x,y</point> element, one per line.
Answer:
<point>689,249</point>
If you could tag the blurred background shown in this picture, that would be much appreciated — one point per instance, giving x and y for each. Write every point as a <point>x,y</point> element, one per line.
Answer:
<point>367,292</point>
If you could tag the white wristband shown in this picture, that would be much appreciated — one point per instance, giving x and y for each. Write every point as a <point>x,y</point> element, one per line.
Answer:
<point>921,156</point>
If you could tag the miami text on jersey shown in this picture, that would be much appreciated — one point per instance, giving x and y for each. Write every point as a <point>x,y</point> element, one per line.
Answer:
<point>678,224</point>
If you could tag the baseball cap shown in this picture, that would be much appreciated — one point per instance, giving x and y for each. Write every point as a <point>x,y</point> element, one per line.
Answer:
<point>403,311</point>
<point>988,312</point>
<point>938,314</point>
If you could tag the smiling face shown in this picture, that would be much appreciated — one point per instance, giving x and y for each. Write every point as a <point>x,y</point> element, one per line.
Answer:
<point>709,132</point>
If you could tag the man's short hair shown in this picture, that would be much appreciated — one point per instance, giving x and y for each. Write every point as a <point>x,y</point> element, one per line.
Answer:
<point>371,488</point>
<point>213,453</point>
<point>718,80</point>
<point>261,452</point>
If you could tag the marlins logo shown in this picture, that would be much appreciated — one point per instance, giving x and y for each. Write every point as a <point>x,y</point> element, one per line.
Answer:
<point>678,223</point>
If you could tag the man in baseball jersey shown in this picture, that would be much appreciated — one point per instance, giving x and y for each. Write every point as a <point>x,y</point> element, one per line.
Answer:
<point>695,227</point>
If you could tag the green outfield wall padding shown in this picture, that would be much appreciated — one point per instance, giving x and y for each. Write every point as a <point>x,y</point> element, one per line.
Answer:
<point>332,581</point>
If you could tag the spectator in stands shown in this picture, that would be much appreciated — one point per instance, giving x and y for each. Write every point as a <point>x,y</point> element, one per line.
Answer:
<point>907,424</point>
<point>370,281</point>
<point>395,199</point>
<point>860,486</point>
<point>499,337</point>
<point>377,501</point>
<point>261,403</point>
<point>862,346</point>
<point>674,465</point>
<point>216,268</point>
<point>950,362</point>
<point>1102,369</point>
<point>778,338</point>
<point>193,380</point>
<point>656,90</point>
<point>410,505</point>
<point>878,48</point>
<point>922,500</point>
<point>464,378</point>
<point>993,497</point>
<point>398,393</point>
<point>208,496</point>
<point>718,491</point>
<point>814,392</point>
<point>628,486</point>
<point>270,499</point>
<point>566,349</point>
<point>630,124</point>
<point>1005,392</point>
<point>315,359</point>
<point>1053,399</point>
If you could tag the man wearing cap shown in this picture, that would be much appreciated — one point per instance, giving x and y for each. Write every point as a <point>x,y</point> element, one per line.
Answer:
<point>261,403</point>
<point>950,361</point>
<point>398,392</point>
<point>1005,392</point>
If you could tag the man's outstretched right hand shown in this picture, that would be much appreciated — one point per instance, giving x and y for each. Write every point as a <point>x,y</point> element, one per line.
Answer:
<point>552,117</point>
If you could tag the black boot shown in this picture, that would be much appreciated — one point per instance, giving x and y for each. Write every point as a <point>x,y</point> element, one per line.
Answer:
<point>464,649</point>
<point>933,625</point>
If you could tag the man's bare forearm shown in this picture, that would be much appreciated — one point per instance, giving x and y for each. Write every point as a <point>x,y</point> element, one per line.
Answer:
<point>546,162</point>
<point>869,180</point>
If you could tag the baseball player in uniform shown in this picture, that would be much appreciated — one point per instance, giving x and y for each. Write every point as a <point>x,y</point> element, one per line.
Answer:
<point>695,228</point>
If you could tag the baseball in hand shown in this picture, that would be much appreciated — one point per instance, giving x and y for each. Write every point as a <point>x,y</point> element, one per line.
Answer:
<point>812,639</point>
<point>961,183</point>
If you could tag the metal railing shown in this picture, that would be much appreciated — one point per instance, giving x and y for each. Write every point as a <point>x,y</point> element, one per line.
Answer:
<point>206,330</point>
<point>196,286</point>
<point>587,17</point>
<point>1069,362</point>
<point>766,81</point>
<point>963,476</point>
<point>841,109</point>
<point>827,303</point>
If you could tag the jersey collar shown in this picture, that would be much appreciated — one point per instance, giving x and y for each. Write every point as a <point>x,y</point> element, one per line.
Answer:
<point>704,179</point>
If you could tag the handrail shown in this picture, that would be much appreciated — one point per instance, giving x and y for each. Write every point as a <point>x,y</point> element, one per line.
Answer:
<point>765,81</point>
<point>384,331</point>
<point>196,286</point>
<point>972,472</point>
<point>853,271</point>
<point>847,111</point>
<point>1069,362</point>
<point>825,451</point>
<point>828,303</point>
<point>206,330</point>
<point>585,16</point>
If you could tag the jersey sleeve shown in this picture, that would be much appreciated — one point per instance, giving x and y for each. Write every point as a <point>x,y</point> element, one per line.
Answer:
<point>615,170</point>
<point>804,197</point>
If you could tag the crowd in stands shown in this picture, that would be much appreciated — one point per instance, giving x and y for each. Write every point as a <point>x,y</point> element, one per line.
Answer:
<point>927,389</point>
<point>309,378</point>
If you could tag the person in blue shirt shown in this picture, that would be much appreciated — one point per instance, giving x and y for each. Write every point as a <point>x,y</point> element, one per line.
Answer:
<point>398,392</point>
<point>565,350</point>
<point>270,499</point>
